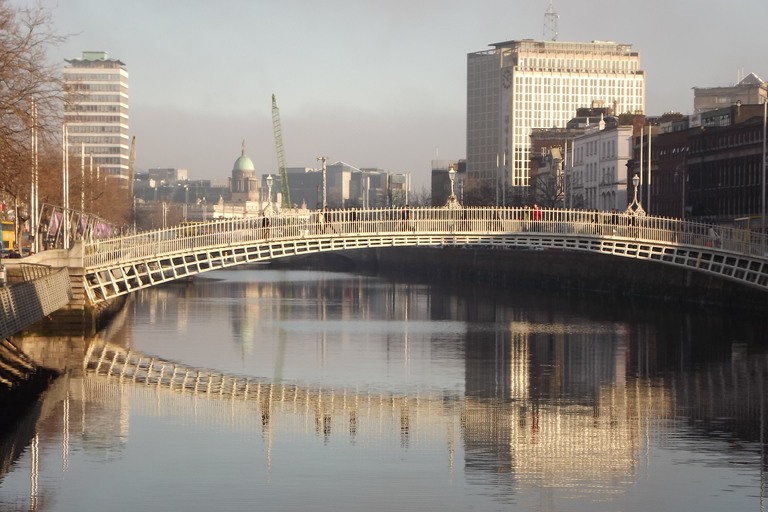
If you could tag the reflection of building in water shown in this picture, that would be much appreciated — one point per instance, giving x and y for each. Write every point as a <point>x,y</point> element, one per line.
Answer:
<point>551,405</point>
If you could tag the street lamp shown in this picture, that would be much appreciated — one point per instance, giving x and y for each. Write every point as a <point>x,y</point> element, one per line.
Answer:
<point>269,210</point>
<point>453,201</point>
<point>635,209</point>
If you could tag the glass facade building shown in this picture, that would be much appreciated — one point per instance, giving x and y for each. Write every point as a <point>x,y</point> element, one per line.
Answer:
<point>521,85</point>
<point>96,112</point>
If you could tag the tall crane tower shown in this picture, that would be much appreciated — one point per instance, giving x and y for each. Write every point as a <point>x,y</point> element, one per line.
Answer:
<point>283,170</point>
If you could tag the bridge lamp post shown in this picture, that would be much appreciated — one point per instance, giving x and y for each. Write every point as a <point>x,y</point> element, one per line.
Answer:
<point>453,201</point>
<point>269,210</point>
<point>635,209</point>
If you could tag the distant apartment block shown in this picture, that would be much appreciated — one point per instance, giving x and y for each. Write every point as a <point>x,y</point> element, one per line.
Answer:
<point>168,175</point>
<point>519,86</point>
<point>346,186</point>
<point>96,112</point>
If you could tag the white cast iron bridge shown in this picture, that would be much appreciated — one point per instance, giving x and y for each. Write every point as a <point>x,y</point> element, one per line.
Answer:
<point>120,265</point>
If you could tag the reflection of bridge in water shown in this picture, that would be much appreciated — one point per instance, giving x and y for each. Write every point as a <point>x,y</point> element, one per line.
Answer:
<point>594,448</point>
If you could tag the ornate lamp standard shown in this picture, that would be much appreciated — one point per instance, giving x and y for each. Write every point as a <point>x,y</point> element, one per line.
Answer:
<point>453,202</point>
<point>635,209</point>
<point>269,211</point>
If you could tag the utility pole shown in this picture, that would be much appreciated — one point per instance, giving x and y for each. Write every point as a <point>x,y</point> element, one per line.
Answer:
<point>765,125</point>
<point>82,177</point>
<point>34,219</point>
<point>64,226</point>
<point>325,188</point>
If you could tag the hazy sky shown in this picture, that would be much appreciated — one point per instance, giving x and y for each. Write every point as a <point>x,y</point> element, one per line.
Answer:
<point>372,83</point>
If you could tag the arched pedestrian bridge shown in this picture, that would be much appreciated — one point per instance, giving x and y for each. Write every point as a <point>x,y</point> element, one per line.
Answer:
<point>120,265</point>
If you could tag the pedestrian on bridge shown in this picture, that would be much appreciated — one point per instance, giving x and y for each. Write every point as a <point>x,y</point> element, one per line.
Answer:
<point>536,217</point>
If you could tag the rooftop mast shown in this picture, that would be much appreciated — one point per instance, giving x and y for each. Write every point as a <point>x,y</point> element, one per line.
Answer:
<point>550,23</point>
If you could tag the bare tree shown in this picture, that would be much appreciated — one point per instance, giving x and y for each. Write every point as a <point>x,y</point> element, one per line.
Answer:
<point>421,198</point>
<point>31,91</point>
<point>549,190</point>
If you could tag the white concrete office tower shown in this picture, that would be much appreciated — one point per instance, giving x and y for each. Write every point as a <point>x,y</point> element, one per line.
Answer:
<point>96,112</point>
<point>521,85</point>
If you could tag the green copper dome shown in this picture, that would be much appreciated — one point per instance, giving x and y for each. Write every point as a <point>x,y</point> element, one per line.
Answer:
<point>243,163</point>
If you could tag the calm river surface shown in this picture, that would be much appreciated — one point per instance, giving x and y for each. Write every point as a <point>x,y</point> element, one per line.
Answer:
<point>361,393</point>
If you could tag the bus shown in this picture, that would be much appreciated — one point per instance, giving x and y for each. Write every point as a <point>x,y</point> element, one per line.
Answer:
<point>191,228</point>
<point>9,236</point>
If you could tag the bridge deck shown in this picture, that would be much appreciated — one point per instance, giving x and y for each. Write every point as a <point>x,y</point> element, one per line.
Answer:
<point>121,265</point>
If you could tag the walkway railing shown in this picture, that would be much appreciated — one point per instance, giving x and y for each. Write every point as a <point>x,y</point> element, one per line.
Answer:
<point>509,221</point>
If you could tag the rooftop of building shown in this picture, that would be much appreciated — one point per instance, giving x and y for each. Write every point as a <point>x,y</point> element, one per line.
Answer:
<point>94,57</point>
<point>751,80</point>
<point>560,46</point>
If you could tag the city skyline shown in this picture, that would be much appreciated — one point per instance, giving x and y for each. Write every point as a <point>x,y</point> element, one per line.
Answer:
<point>375,86</point>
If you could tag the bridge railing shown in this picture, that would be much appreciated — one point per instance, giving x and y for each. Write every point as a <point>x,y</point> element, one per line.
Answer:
<point>465,221</point>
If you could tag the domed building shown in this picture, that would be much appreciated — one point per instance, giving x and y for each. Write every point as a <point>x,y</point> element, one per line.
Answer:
<point>243,185</point>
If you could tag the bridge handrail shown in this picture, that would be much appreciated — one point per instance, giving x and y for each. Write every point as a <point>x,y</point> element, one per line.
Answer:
<point>470,220</point>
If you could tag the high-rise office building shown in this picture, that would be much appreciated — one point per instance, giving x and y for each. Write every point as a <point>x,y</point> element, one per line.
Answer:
<point>96,112</point>
<point>521,85</point>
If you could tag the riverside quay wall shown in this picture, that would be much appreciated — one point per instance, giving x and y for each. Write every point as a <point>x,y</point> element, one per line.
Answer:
<point>26,302</point>
<point>561,271</point>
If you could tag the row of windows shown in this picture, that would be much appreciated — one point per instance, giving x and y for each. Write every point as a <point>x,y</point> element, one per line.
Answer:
<point>720,175</point>
<point>104,98</point>
<point>100,64</point>
<point>108,160</point>
<point>739,205</point>
<point>580,64</point>
<point>74,128</point>
<point>92,77</point>
<point>97,87</point>
<point>95,140</point>
<point>556,81</point>
<point>670,153</point>
<point>607,149</point>
<point>94,119</point>
<point>727,140</point>
<point>593,174</point>
<point>95,108</point>
<point>105,150</point>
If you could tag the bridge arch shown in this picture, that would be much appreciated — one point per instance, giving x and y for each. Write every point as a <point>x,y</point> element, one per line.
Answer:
<point>120,265</point>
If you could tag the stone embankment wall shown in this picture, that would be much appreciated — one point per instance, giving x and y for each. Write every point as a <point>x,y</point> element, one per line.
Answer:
<point>78,315</point>
<point>27,302</point>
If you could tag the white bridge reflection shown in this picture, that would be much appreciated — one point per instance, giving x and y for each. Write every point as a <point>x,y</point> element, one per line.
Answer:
<point>551,445</point>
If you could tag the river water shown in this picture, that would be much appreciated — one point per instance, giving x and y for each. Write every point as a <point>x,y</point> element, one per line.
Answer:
<point>362,393</point>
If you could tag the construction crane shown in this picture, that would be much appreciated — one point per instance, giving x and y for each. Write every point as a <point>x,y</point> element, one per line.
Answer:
<point>283,170</point>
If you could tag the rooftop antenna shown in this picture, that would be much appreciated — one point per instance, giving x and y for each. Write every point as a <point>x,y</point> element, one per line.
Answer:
<point>550,23</point>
